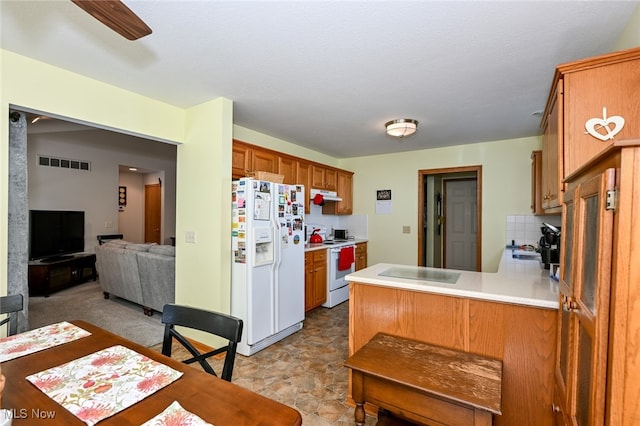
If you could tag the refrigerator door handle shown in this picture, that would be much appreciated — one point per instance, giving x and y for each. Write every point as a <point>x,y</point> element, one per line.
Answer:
<point>275,269</point>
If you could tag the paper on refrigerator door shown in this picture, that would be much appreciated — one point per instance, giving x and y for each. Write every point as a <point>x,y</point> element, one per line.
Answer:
<point>262,206</point>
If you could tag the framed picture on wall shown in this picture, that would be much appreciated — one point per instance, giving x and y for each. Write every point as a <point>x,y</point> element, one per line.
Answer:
<point>122,196</point>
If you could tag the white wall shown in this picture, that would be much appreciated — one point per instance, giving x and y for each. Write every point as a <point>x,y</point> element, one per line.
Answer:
<point>96,191</point>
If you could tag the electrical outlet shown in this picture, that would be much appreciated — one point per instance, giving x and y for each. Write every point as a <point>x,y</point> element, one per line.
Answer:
<point>406,229</point>
<point>108,224</point>
<point>190,237</point>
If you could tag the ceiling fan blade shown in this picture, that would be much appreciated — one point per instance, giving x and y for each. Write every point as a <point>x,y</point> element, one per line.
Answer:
<point>117,16</point>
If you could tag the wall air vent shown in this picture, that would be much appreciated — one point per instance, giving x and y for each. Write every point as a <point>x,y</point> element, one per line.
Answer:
<point>63,163</point>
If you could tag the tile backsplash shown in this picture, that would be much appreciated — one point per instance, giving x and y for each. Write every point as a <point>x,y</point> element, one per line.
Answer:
<point>525,229</point>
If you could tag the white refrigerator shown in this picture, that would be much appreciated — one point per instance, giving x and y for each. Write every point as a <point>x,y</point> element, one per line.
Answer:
<point>267,271</point>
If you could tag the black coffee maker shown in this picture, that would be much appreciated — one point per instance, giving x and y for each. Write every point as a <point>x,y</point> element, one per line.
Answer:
<point>549,245</point>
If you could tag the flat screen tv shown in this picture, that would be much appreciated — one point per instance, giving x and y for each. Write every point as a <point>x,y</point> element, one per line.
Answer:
<point>54,234</point>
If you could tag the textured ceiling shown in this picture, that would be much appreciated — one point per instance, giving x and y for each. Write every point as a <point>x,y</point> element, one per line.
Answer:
<point>326,74</point>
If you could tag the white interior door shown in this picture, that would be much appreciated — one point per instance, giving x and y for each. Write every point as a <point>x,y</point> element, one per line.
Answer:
<point>461,226</point>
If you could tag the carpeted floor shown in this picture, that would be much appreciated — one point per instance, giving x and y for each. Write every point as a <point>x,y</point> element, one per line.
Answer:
<point>86,302</point>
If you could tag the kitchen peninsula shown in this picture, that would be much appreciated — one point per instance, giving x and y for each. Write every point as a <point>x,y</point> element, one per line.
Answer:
<point>510,315</point>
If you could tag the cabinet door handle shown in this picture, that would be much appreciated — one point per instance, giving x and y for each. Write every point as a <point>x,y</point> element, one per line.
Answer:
<point>570,304</point>
<point>555,408</point>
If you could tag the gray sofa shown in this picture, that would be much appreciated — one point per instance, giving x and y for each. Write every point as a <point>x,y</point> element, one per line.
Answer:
<point>141,273</point>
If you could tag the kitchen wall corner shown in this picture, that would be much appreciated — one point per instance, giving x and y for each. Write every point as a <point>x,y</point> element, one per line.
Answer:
<point>525,229</point>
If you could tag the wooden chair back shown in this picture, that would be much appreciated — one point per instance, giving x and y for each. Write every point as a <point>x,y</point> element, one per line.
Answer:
<point>11,305</point>
<point>222,325</point>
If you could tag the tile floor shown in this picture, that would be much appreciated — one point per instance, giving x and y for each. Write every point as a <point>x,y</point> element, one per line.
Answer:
<point>305,370</point>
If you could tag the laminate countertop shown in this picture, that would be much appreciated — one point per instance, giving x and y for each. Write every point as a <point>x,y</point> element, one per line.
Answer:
<point>518,281</point>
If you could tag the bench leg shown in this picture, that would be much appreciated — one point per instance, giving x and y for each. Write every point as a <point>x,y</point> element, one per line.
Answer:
<point>359,414</point>
<point>357,393</point>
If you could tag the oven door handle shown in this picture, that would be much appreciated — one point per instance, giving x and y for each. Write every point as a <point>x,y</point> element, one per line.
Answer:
<point>337,249</point>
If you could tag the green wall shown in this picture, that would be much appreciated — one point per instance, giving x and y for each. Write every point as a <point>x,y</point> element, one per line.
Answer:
<point>203,133</point>
<point>630,37</point>
<point>506,180</point>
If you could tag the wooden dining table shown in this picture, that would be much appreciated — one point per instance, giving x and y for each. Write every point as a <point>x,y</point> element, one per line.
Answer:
<point>216,401</point>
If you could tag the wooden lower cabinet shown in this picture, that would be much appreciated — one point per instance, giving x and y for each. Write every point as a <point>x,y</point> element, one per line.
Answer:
<point>361,256</point>
<point>523,337</point>
<point>315,279</point>
<point>560,417</point>
<point>598,361</point>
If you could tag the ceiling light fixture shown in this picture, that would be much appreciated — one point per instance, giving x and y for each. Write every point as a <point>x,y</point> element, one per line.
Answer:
<point>39,117</point>
<point>402,127</point>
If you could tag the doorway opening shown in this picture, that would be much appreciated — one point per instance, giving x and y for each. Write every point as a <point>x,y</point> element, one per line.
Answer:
<point>450,218</point>
<point>55,133</point>
<point>141,217</point>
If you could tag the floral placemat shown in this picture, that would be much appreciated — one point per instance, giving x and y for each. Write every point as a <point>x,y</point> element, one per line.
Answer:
<point>39,339</point>
<point>175,415</point>
<point>103,383</point>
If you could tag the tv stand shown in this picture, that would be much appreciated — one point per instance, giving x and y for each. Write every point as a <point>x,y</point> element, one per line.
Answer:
<point>50,275</point>
<point>56,258</point>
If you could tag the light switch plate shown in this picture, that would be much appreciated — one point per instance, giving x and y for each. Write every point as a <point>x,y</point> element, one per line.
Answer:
<point>406,229</point>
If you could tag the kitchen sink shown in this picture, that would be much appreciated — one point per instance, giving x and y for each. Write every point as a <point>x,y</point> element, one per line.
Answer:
<point>527,256</point>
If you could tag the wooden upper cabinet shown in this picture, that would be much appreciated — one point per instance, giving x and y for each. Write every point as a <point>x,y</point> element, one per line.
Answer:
<point>331,179</point>
<point>287,167</point>
<point>240,161</point>
<point>610,82</point>
<point>536,182</point>
<point>264,161</point>
<point>345,191</point>
<point>248,159</point>
<point>324,177</point>
<point>552,153</point>
<point>597,92</point>
<point>317,176</point>
<point>303,177</point>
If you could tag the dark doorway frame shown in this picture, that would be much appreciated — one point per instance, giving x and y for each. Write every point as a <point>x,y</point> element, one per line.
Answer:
<point>463,171</point>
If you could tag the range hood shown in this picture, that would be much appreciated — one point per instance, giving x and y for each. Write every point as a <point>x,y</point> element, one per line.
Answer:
<point>326,195</point>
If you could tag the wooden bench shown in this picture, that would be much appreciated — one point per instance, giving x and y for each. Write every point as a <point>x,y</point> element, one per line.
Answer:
<point>424,383</point>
